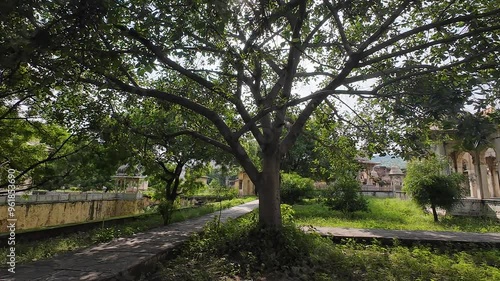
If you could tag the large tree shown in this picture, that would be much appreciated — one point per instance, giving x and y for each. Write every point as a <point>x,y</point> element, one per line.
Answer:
<point>249,59</point>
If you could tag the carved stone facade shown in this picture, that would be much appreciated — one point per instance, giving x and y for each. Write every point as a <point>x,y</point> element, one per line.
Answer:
<point>480,166</point>
<point>375,177</point>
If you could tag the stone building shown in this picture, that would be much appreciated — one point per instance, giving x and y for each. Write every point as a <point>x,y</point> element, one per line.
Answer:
<point>376,177</point>
<point>244,184</point>
<point>480,166</point>
<point>130,179</point>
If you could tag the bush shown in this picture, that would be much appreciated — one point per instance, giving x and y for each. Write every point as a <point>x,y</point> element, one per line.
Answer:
<point>295,188</point>
<point>166,208</point>
<point>222,191</point>
<point>345,196</point>
<point>427,185</point>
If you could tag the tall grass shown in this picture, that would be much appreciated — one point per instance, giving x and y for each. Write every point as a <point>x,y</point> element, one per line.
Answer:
<point>240,250</point>
<point>390,213</point>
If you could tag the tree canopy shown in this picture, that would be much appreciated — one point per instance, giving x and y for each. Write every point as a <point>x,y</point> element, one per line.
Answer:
<point>241,64</point>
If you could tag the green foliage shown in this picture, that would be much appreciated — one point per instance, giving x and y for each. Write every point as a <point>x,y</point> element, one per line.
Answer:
<point>190,185</point>
<point>243,247</point>
<point>287,214</point>
<point>438,190</point>
<point>427,185</point>
<point>103,235</point>
<point>134,52</point>
<point>474,130</point>
<point>326,150</point>
<point>295,188</point>
<point>390,213</point>
<point>240,250</point>
<point>344,195</point>
<point>166,209</point>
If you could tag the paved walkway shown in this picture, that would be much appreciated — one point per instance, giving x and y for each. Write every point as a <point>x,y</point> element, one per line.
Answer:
<point>121,259</point>
<point>411,236</point>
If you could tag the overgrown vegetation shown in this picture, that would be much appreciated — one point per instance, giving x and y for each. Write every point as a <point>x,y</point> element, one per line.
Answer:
<point>37,250</point>
<point>345,196</point>
<point>427,184</point>
<point>295,188</point>
<point>239,250</point>
<point>390,213</point>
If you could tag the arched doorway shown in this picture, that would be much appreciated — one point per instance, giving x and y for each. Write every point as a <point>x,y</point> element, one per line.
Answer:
<point>465,166</point>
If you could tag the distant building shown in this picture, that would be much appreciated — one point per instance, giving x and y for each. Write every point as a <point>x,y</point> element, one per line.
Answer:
<point>376,177</point>
<point>203,179</point>
<point>244,184</point>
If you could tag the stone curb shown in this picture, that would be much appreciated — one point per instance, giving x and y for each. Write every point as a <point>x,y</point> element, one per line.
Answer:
<point>409,236</point>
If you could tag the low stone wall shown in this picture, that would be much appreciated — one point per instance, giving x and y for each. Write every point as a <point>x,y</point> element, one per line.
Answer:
<point>477,207</point>
<point>70,196</point>
<point>37,214</point>
<point>385,194</point>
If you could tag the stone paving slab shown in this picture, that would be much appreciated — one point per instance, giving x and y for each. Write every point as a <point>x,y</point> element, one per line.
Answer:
<point>410,235</point>
<point>121,259</point>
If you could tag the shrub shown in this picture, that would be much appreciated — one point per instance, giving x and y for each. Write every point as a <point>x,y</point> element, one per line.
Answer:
<point>345,196</point>
<point>295,188</point>
<point>103,235</point>
<point>222,191</point>
<point>427,185</point>
<point>287,214</point>
<point>166,209</point>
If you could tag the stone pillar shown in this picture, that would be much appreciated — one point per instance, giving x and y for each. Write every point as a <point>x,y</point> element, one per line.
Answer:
<point>396,178</point>
<point>495,181</point>
<point>484,191</point>
<point>472,184</point>
<point>480,175</point>
<point>369,180</point>
<point>496,166</point>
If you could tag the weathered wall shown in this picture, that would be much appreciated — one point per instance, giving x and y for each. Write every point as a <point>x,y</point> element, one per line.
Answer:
<point>385,194</point>
<point>36,215</point>
<point>477,207</point>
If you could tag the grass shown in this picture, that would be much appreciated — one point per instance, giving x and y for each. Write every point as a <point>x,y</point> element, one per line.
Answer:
<point>37,250</point>
<point>242,251</point>
<point>390,213</point>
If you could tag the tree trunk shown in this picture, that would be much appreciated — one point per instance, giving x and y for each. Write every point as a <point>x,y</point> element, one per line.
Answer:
<point>434,213</point>
<point>269,192</point>
<point>168,188</point>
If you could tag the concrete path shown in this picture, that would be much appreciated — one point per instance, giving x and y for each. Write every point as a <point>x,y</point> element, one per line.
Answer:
<point>122,259</point>
<point>410,236</point>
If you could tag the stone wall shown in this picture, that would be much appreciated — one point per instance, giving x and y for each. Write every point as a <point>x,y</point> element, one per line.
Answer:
<point>477,207</point>
<point>37,215</point>
<point>70,196</point>
<point>384,194</point>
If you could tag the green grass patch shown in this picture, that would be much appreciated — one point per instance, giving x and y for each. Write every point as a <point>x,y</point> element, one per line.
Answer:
<point>239,250</point>
<point>43,249</point>
<point>390,213</point>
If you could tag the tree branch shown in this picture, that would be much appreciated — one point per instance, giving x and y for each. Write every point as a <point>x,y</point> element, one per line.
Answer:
<point>429,44</point>
<point>395,39</point>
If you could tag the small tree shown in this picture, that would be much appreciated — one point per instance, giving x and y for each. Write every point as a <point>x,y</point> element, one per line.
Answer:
<point>427,185</point>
